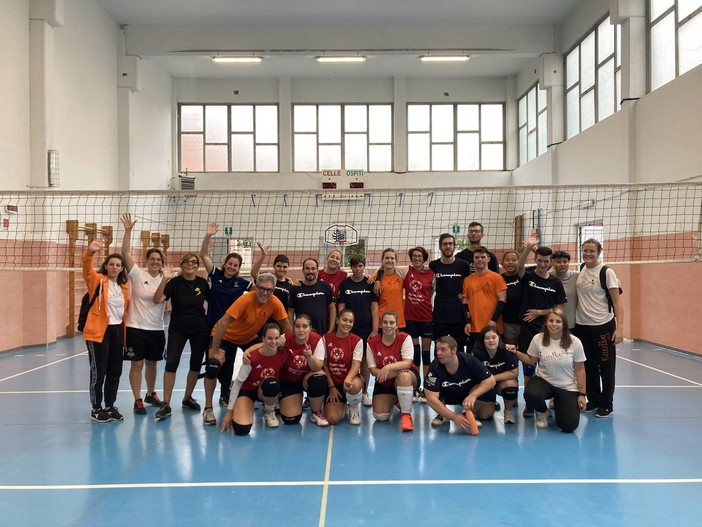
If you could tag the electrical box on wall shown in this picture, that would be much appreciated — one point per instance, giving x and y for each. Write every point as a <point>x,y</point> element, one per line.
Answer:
<point>550,70</point>
<point>129,74</point>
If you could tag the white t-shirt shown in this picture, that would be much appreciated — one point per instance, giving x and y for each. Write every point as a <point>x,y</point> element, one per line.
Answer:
<point>593,308</point>
<point>143,312</point>
<point>555,363</point>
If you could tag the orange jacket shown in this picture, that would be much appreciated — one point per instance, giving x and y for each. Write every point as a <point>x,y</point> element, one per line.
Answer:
<point>98,317</point>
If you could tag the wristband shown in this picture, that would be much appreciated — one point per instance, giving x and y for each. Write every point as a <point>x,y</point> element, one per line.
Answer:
<point>466,313</point>
<point>498,310</point>
<point>581,394</point>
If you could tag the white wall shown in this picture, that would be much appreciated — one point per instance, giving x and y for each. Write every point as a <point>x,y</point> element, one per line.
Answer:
<point>14,94</point>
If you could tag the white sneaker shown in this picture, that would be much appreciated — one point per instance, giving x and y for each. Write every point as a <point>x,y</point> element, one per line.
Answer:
<point>438,421</point>
<point>367,400</point>
<point>208,417</point>
<point>542,419</point>
<point>354,415</point>
<point>270,418</point>
<point>422,399</point>
<point>509,416</point>
<point>319,419</point>
<point>415,397</point>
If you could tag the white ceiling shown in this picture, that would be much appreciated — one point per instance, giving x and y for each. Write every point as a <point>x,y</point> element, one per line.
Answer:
<point>501,36</point>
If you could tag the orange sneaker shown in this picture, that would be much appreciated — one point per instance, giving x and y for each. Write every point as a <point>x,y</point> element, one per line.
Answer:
<point>407,423</point>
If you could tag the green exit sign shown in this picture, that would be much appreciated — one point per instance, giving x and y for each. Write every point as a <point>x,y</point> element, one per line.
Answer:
<point>456,229</point>
<point>227,231</point>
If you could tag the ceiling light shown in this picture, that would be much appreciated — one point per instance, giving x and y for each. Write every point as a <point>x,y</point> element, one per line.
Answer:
<point>444,58</point>
<point>331,58</point>
<point>237,60</point>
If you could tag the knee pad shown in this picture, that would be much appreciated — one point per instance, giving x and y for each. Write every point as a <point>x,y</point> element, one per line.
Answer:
<point>212,367</point>
<point>510,394</point>
<point>381,417</point>
<point>241,430</point>
<point>270,387</point>
<point>426,357</point>
<point>317,385</point>
<point>291,420</point>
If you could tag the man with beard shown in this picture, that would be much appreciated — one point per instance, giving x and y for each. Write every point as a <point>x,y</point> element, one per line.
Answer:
<point>314,298</point>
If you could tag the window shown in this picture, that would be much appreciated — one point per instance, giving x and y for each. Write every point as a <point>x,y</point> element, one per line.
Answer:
<point>675,28</point>
<point>593,78</point>
<point>228,138</point>
<point>450,137</point>
<point>533,124</point>
<point>342,136</point>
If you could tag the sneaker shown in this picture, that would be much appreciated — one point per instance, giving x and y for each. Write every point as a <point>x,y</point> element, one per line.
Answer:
<point>498,407</point>
<point>438,421</point>
<point>319,419</point>
<point>191,404</point>
<point>152,399</point>
<point>604,412</point>
<point>114,414</point>
<point>163,412</point>
<point>589,407</point>
<point>257,405</point>
<point>422,399</point>
<point>528,412</point>
<point>354,415</point>
<point>479,424</point>
<point>223,401</point>
<point>542,419</point>
<point>551,405</point>
<point>139,407</point>
<point>415,397</point>
<point>270,419</point>
<point>407,424</point>
<point>509,416</point>
<point>100,416</point>
<point>276,407</point>
<point>367,400</point>
<point>208,417</point>
<point>306,403</point>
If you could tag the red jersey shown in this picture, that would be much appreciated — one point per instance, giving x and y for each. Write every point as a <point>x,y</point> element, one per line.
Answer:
<point>334,280</point>
<point>295,367</point>
<point>340,353</point>
<point>262,367</point>
<point>418,290</point>
<point>380,355</point>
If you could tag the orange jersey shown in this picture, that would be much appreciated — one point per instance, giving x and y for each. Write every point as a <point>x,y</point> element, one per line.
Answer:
<point>481,294</point>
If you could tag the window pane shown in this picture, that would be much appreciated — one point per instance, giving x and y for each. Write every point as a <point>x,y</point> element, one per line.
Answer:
<point>542,99</point>
<point>442,123</point>
<point>657,7</point>
<point>304,118</point>
<point>531,145</point>
<point>685,7</point>
<point>191,118</point>
<point>242,118</point>
<point>492,157</point>
<point>618,82</point>
<point>618,33</point>
<point>216,158</point>
<point>587,110</point>
<point>663,52</point>
<point>690,44</point>
<point>242,153</point>
<point>380,123</point>
<point>380,158</point>
<point>191,152</point>
<point>418,118</point>
<point>543,134</point>
<point>522,112</point>
<point>491,122</point>
<point>573,67</point>
<point>522,145</point>
<point>305,152</point>
<point>267,158</point>
<point>441,157</point>
<point>356,118</point>
<point>330,124</point>
<point>531,109</point>
<point>573,113</point>
<point>605,90</point>
<point>329,157</point>
<point>216,124</point>
<point>587,62</point>
<point>468,118</point>
<point>605,40</point>
<point>468,151</point>
<point>418,151</point>
<point>266,124</point>
<point>356,151</point>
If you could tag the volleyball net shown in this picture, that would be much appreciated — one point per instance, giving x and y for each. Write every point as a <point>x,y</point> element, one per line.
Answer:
<point>48,231</point>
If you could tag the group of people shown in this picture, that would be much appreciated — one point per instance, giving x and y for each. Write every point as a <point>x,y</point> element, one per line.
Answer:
<point>325,335</point>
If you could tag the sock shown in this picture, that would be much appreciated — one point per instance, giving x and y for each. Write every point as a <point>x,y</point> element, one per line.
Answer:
<point>270,407</point>
<point>404,396</point>
<point>354,400</point>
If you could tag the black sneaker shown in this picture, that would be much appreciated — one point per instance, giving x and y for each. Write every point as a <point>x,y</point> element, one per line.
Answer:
<point>306,403</point>
<point>604,412</point>
<point>497,406</point>
<point>152,399</point>
<point>163,412</point>
<point>589,407</point>
<point>191,404</point>
<point>139,407</point>
<point>528,412</point>
<point>99,415</point>
<point>223,401</point>
<point>114,414</point>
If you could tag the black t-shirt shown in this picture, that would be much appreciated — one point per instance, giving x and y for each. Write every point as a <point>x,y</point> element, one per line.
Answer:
<point>454,388</point>
<point>513,307</point>
<point>540,293</point>
<point>358,297</point>
<point>502,361</point>
<point>448,284</point>
<point>282,292</point>
<point>467,256</point>
<point>188,304</point>
<point>313,300</point>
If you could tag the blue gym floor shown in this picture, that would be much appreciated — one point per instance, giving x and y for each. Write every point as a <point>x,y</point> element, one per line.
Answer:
<point>640,467</point>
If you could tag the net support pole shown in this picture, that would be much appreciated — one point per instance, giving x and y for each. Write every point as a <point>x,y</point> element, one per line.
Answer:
<point>72,231</point>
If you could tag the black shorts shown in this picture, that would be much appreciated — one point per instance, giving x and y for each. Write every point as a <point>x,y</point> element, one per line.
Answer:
<point>420,329</point>
<point>290,388</point>
<point>144,344</point>
<point>455,329</point>
<point>251,394</point>
<point>379,389</point>
<point>342,393</point>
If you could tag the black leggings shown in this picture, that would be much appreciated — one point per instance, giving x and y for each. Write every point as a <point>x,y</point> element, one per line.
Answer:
<point>105,366</point>
<point>176,343</point>
<point>565,403</point>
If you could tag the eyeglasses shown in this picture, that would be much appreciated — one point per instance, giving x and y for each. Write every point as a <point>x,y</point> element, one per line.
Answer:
<point>266,290</point>
<point>189,262</point>
<point>474,231</point>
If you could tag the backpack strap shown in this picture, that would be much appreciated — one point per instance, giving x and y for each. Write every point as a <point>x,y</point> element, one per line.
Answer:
<point>97,292</point>
<point>603,283</point>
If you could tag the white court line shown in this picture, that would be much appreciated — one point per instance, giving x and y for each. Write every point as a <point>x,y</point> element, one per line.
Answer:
<point>325,487</point>
<point>364,483</point>
<point>661,371</point>
<point>43,366</point>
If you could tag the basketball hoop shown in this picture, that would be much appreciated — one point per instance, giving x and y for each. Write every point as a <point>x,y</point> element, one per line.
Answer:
<point>340,235</point>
